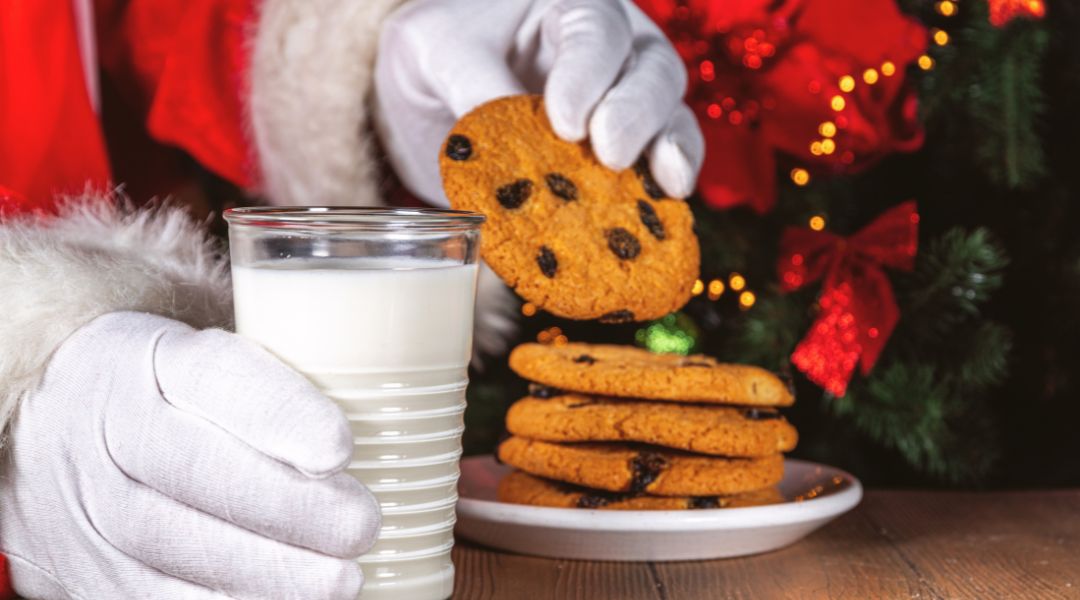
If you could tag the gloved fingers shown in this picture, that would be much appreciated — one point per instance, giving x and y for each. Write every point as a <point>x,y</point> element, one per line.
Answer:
<point>591,40</point>
<point>424,59</point>
<point>243,389</point>
<point>197,464</point>
<point>482,76</point>
<point>137,581</point>
<point>204,550</point>
<point>639,105</point>
<point>675,156</point>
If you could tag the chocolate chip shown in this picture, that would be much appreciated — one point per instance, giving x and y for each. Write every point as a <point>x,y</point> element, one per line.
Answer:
<point>647,182</point>
<point>561,186</point>
<point>623,243</point>
<point>547,261</point>
<point>617,316</point>
<point>539,390</point>
<point>513,195</point>
<point>458,147</point>
<point>646,467</point>
<point>705,502</point>
<point>757,414</point>
<point>591,501</point>
<point>584,359</point>
<point>651,220</point>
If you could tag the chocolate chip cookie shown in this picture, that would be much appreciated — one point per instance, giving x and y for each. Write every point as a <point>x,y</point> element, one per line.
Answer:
<point>641,469</point>
<point>518,487</point>
<point>630,372</point>
<point>568,234</point>
<point>708,429</point>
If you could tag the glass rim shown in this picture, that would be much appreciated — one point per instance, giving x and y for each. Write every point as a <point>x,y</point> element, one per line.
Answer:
<point>354,218</point>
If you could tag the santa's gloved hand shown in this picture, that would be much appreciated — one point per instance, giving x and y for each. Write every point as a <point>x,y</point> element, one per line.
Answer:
<point>606,71</point>
<point>157,461</point>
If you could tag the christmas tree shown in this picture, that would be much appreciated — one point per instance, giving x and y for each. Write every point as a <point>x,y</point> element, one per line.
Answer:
<point>885,216</point>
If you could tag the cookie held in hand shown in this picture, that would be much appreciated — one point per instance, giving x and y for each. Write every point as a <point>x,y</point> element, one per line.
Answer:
<point>568,234</point>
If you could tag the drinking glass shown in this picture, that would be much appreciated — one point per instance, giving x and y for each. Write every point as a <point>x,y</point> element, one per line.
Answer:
<point>375,307</point>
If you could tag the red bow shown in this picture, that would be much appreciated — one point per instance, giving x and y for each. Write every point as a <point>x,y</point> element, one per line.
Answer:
<point>858,307</point>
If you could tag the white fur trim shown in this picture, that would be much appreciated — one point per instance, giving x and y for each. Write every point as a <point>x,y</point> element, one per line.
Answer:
<point>312,67</point>
<point>97,257</point>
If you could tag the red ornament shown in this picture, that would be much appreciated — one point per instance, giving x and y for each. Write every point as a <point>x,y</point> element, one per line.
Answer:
<point>1003,11</point>
<point>858,307</point>
<point>764,75</point>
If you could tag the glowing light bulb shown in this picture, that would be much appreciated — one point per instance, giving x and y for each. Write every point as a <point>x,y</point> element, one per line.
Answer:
<point>716,287</point>
<point>699,286</point>
<point>870,76</point>
<point>800,176</point>
<point>815,148</point>
<point>528,309</point>
<point>817,222</point>
<point>941,37</point>
<point>828,146</point>
<point>747,299</point>
<point>925,62</point>
<point>827,129</point>
<point>946,8</point>
<point>736,281</point>
<point>847,83</point>
<point>888,69</point>
<point>837,103</point>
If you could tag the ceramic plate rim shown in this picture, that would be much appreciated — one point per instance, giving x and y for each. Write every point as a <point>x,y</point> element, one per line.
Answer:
<point>749,517</point>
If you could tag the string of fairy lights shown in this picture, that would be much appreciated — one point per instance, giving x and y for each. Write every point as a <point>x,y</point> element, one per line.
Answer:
<point>827,142</point>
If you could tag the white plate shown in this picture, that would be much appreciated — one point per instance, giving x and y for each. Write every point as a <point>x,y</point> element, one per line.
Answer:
<point>815,495</point>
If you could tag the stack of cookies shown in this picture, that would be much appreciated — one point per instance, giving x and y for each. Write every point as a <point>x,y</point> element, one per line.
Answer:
<point>607,426</point>
<point>618,427</point>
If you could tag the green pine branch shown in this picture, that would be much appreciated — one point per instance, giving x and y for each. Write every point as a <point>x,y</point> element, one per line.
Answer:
<point>922,399</point>
<point>985,89</point>
<point>954,275</point>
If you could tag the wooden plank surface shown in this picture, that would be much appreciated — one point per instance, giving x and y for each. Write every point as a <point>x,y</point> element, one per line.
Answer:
<point>896,544</point>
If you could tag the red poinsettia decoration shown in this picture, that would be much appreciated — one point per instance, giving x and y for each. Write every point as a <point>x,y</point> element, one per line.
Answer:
<point>1003,11</point>
<point>772,77</point>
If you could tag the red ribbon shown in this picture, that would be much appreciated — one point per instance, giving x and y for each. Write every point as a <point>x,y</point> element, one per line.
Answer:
<point>858,307</point>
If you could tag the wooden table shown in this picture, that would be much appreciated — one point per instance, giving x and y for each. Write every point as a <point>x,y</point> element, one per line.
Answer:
<point>895,544</point>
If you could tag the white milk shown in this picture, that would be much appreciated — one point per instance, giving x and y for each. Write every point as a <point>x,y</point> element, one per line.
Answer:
<point>389,340</point>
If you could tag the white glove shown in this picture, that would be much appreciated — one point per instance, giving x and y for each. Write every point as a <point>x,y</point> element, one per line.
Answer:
<point>155,461</point>
<point>605,70</point>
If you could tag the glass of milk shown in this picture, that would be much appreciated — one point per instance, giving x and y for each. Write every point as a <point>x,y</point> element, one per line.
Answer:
<point>375,306</point>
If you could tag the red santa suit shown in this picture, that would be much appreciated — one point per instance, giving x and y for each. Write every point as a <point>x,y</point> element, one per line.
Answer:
<point>269,95</point>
